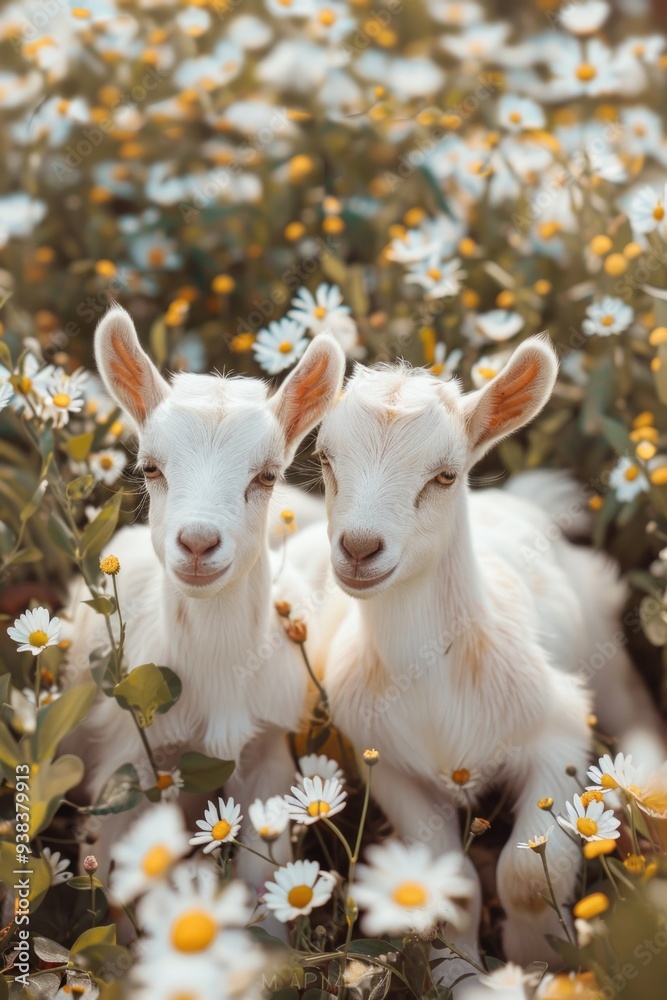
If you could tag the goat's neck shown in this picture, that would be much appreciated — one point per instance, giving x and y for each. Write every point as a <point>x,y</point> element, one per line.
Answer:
<point>237,617</point>
<point>428,611</point>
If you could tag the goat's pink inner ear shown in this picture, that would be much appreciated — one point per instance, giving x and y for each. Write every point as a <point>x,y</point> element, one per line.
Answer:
<point>129,373</point>
<point>511,395</point>
<point>302,402</point>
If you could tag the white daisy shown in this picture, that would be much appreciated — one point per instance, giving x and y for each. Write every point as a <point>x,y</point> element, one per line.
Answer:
<point>461,783</point>
<point>146,854</point>
<point>591,822</point>
<point>437,278</point>
<point>586,68</point>
<point>325,312</point>
<point>280,345</point>
<point>107,466</point>
<point>537,843</point>
<point>499,324</point>
<point>608,316</point>
<point>584,18</point>
<point>170,784</point>
<point>628,480</point>
<point>510,980</point>
<point>440,235</point>
<point>405,889</point>
<point>46,695</point>
<point>318,765</point>
<point>519,113</point>
<point>219,826</point>
<point>315,799</point>
<point>269,818</point>
<point>63,397</point>
<point>487,367</point>
<point>651,795</point>
<point>182,918</point>
<point>647,210</point>
<point>445,362</point>
<point>58,865</point>
<point>6,391</point>
<point>35,630</point>
<point>298,888</point>
<point>457,13</point>
<point>609,773</point>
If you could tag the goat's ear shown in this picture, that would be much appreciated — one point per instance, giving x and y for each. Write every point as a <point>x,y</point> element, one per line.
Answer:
<point>515,396</point>
<point>311,390</point>
<point>126,370</point>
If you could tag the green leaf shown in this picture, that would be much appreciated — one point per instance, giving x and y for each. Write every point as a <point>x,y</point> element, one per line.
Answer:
<point>94,935</point>
<point>372,948</point>
<point>48,785</point>
<point>102,665</point>
<point>98,532</point>
<point>80,488</point>
<point>78,448</point>
<point>7,537</point>
<point>25,556</point>
<point>61,534</point>
<point>50,951</point>
<point>204,774</point>
<point>81,882</point>
<point>57,719</point>
<point>34,503</point>
<point>8,747</point>
<point>5,356</point>
<point>39,879</point>
<point>103,605</point>
<point>121,792</point>
<point>616,434</point>
<point>4,988</point>
<point>146,690</point>
<point>661,374</point>
<point>103,960</point>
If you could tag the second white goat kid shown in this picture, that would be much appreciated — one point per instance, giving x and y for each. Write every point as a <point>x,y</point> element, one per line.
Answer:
<point>453,661</point>
<point>195,584</point>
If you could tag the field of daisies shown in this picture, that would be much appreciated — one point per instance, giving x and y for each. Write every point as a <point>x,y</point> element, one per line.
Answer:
<point>428,179</point>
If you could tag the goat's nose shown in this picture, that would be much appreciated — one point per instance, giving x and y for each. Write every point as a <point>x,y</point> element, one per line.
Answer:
<point>361,548</point>
<point>198,540</point>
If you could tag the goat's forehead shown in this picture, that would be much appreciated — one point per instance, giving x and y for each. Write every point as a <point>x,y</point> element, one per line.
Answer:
<point>412,411</point>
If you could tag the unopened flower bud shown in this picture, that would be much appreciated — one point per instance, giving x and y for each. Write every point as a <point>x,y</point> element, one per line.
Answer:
<point>297,632</point>
<point>284,608</point>
<point>371,757</point>
<point>479,826</point>
<point>546,804</point>
<point>571,771</point>
<point>90,864</point>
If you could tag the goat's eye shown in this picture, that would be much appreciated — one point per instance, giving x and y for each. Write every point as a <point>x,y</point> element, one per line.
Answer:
<point>267,478</point>
<point>151,471</point>
<point>445,478</point>
<point>324,459</point>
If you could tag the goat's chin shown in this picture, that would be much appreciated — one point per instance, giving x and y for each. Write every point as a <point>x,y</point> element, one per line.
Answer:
<point>363,587</point>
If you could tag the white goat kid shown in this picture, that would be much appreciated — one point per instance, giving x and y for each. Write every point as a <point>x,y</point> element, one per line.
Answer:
<point>453,665</point>
<point>195,586</point>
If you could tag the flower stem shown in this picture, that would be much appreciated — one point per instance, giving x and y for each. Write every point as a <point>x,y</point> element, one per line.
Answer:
<point>543,855</point>
<point>341,837</point>
<point>460,954</point>
<point>237,843</point>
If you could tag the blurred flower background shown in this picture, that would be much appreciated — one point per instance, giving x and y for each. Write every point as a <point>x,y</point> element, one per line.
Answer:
<point>425,179</point>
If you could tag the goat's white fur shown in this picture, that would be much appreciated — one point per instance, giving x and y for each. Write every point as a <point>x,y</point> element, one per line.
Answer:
<point>463,654</point>
<point>244,683</point>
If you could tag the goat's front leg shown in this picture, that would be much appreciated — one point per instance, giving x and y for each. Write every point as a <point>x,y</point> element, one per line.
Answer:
<point>266,769</point>
<point>421,813</point>
<point>522,883</point>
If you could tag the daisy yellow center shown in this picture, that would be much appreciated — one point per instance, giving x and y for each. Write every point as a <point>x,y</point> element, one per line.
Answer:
<point>487,372</point>
<point>461,776</point>
<point>515,117</point>
<point>285,347</point>
<point>435,273</point>
<point>62,399</point>
<point>164,781</point>
<point>607,320</point>
<point>631,473</point>
<point>318,808</point>
<point>548,230</point>
<point>586,72</point>
<point>157,861</point>
<point>38,638</point>
<point>437,369</point>
<point>658,213</point>
<point>221,829</point>
<point>327,17</point>
<point>320,312</point>
<point>587,827</point>
<point>606,780</point>
<point>156,256</point>
<point>300,896</point>
<point>639,129</point>
<point>410,894</point>
<point>106,462</point>
<point>25,384</point>
<point>266,831</point>
<point>589,797</point>
<point>193,931</point>
<point>638,50</point>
